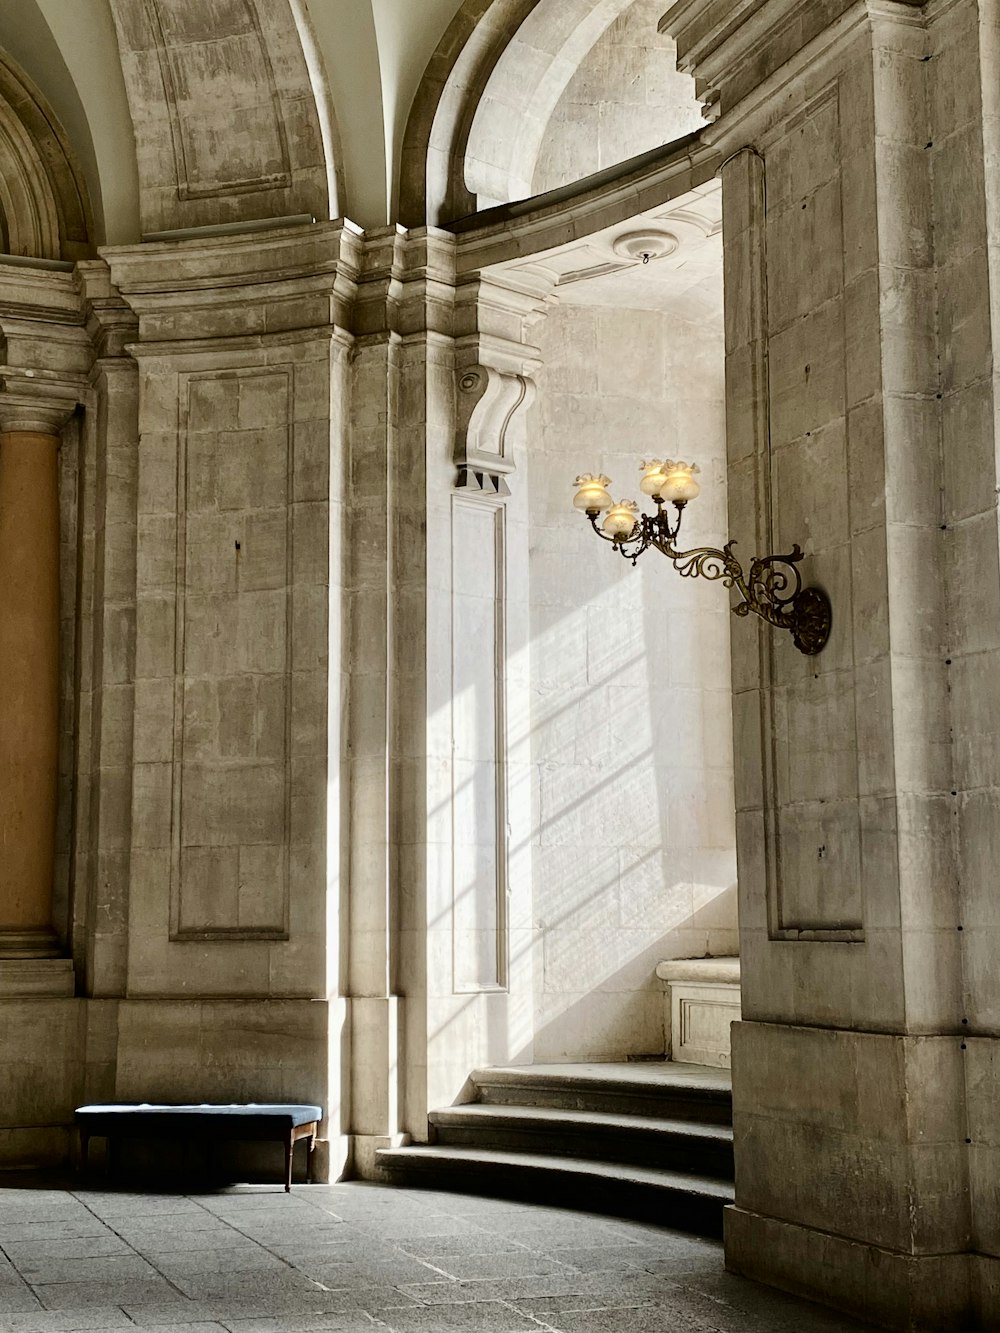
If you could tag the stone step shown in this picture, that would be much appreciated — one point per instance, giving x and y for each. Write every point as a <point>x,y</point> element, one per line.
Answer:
<point>655,1089</point>
<point>676,1145</point>
<point>694,1203</point>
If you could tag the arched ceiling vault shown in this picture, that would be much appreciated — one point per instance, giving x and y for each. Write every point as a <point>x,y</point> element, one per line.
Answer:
<point>227,120</point>
<point>527,81</point>
<point>188,112</point>
<point>44,209</point>
<point>494,90</point>
<point>69,51</point>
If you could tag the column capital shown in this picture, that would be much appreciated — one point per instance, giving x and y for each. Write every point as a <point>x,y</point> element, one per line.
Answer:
<point>38,401</point>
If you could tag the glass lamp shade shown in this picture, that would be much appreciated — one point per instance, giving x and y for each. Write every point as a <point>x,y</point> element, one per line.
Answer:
<point>653,478</point>
<point>679,482</point>
<point>622,519</point>
<point>592,495</point>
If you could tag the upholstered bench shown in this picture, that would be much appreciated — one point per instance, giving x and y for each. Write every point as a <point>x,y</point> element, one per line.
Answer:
<point>285,1124</point>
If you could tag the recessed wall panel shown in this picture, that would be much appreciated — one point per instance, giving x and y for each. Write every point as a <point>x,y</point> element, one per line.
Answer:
<point>479,746</point>
<point>231,769</point>
<point>815,742</point>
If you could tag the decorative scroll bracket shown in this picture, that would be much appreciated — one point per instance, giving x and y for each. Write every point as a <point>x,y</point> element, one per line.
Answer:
<point>771,589</point>
<point>488,400</point>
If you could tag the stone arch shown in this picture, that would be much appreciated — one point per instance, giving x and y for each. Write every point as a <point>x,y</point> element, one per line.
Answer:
<point>44,209</point>
<point>432,182</point>
<point>524,89</point>
<point>488,95</point>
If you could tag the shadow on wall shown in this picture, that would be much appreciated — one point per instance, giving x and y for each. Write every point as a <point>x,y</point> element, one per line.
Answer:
<point>569,1034</point>
<point>595,949</point>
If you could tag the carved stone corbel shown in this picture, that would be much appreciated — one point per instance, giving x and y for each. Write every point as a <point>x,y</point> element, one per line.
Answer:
<point>488,400</point>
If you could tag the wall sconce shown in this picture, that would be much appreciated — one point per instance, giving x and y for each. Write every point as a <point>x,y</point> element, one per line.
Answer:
<point>773,588</point>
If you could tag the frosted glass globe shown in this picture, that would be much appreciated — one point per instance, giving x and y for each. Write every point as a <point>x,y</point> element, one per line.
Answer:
<point>680,485</point>
<point>592,495</point>
<point>621,520</point>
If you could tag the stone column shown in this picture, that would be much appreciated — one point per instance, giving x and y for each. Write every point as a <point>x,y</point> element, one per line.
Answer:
<point>29,700</point>
<point>860,250</point>
<point>106,644</point>
<point>218,896</point>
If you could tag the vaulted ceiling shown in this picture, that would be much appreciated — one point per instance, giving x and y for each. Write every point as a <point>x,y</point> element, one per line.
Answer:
<point>187,112</point>
<point>372,52</point>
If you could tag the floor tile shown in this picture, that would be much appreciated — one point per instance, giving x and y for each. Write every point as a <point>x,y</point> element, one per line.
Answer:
<point>101,1319</point>
<point>126,1267</point>
<point>242,1259</point>
<point>186,1328</point>
<point>524,1263</point>
<point>65,1247</point>
<point>323,1323</point>
<point>482,1317</point>
<point>66,1295</point>
<point>18,1300</point>
<point>361,1258</point>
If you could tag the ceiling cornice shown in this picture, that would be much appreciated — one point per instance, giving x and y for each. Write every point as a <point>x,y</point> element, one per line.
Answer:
<point>728,45</point>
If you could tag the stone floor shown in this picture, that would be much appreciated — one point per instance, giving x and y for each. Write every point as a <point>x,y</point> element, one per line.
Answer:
<point>359,1257</point>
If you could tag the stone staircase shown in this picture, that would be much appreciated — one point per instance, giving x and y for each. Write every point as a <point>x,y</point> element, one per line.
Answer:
<point>652,1140</point>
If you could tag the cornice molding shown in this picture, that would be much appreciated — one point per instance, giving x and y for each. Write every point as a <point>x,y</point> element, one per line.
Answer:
<point>205,288</point>
<point>45,351</point>
<point>407,282</point>
<point>702,26</point>
<point>732,45</point>
<point>111,322</point>
<point>594,204</point>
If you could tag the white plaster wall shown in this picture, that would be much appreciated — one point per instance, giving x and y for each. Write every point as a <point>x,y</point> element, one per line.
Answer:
<point>627,97</point>
<point>631,741</point>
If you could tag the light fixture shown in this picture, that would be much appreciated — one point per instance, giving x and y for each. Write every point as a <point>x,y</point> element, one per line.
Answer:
<point>772,589</point>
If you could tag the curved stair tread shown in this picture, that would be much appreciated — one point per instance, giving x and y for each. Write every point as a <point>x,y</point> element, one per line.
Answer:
<point>546,1117</point>
<point>436,1158</point>
<point>647,1080</point>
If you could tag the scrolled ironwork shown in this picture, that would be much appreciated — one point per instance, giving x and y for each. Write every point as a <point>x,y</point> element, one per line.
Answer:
<point>771,589</point>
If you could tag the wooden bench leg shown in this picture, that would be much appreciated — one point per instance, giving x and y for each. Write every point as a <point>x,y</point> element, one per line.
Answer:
<point>289,1144</point>
<point>310,1145</point>
<point>84,1150</point>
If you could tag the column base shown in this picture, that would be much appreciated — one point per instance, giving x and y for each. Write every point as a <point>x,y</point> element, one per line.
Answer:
<point>41,977</point>
<point>364,1154</point>
<point>37,943</point>
<point>891,1289</point>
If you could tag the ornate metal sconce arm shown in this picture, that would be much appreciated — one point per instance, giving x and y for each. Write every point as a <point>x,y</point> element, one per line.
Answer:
<point>772,589</point>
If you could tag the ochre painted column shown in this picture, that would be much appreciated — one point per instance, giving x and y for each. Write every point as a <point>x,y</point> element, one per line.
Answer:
<point>29,698</point>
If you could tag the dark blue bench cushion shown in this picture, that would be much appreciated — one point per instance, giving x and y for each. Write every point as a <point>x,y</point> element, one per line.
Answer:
<point>250,1121</point>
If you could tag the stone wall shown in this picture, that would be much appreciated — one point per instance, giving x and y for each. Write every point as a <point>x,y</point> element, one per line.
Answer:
<point>861,327</point>
<point>631,719</point>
